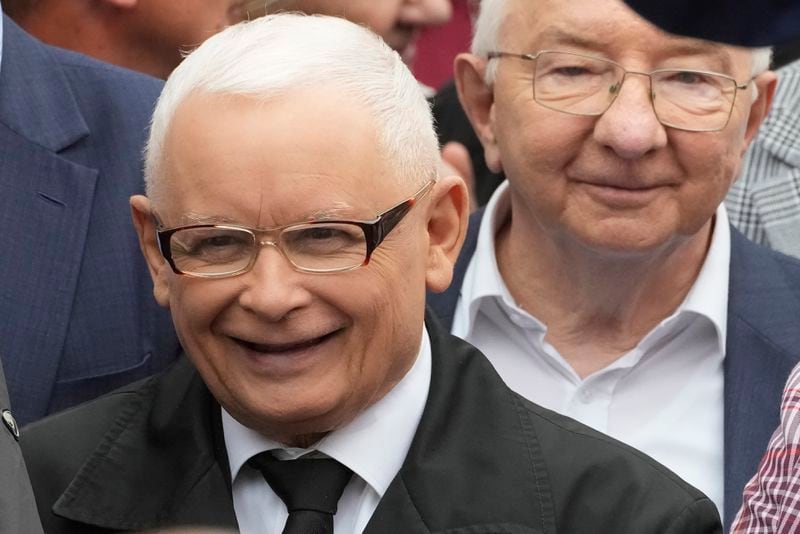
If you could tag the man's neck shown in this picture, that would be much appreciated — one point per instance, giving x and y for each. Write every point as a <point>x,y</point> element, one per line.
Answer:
<point>596,306</point>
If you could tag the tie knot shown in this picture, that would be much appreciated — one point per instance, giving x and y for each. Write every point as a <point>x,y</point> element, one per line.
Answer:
<point>314,484</point>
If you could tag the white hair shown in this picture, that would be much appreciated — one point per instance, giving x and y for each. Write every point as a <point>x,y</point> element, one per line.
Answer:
<point>761,60</point>
<point>491,15</point>
<point>276,55</point>
<point>488,30</point>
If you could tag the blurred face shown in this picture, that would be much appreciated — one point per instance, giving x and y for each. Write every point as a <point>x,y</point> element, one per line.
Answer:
<point>163,28</point>
<point>290,354</point>
<point>620,182</point>
<point>397,21</point>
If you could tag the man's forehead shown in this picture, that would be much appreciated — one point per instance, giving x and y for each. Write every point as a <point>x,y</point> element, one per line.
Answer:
<point>670,46</point>
<point>606,26</point>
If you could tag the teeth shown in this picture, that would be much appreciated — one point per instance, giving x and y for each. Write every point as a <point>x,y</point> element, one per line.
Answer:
<point>282,347</point>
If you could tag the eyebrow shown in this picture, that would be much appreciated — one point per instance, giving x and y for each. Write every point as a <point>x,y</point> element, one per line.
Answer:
<point>337,211</point>
<point>196,218</point>
<point>682,46</point>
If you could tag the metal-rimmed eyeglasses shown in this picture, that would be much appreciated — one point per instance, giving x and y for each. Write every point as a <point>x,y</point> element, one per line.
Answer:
<point>685,99</point>
<point>324,246</point>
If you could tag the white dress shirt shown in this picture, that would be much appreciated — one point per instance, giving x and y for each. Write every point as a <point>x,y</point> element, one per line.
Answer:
<point>373,445</point>
<point>664,397</point>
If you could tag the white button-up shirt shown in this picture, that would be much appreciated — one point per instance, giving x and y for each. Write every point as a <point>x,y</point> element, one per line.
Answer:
<point>664,397</point>
<point>373,445</point>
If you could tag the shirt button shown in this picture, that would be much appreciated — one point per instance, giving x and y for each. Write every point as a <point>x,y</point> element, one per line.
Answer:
<point>585,396</point>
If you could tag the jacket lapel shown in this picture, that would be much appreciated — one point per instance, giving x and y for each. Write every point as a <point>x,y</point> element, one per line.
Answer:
<point>761,349</point>
<point>45,201</point>
<point>161,451</point>
<point>396,513</point>
<point>470,419</point>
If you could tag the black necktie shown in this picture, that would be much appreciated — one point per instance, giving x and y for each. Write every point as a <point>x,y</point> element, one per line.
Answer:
<point>310,488</point>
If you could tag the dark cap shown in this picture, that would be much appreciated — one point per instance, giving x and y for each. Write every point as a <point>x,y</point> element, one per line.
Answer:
<point>738,22</point>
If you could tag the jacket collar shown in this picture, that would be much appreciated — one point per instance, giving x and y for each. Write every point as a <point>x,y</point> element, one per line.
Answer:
<point>36,100</point>
<point>163,458</point>
<point>762,341</point>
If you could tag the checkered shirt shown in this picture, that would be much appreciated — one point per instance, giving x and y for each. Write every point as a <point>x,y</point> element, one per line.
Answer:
<point>764,203</point>
<point>772,497</point>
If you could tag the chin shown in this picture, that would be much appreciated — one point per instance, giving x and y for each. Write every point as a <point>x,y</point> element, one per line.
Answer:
<point>273,417</point>
<point>625,245</point>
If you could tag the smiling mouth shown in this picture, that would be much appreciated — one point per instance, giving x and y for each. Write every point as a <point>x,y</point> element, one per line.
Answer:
<point>623,197</point>
<point>285,348</point>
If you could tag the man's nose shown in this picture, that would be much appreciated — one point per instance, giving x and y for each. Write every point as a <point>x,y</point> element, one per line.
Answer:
<point>426,12</point>
<point>630,126</point>
<point>272,288</point>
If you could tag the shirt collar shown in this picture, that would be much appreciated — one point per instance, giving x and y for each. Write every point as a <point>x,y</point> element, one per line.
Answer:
<point>708,296</point>
<point>374,445</point>
<point>482,280</point>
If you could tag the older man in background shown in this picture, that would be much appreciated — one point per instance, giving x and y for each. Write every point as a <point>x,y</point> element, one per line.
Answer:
<point>293,219</point>
<point>604,280</point>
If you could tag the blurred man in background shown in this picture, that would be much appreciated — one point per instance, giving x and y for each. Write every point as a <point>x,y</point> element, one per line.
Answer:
<point>398,22</point>
<point>148,36</point>
<point>78,317</point>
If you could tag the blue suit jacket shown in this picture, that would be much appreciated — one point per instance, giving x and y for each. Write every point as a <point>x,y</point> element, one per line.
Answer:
<point>77,315</point>
<point>762,347</point>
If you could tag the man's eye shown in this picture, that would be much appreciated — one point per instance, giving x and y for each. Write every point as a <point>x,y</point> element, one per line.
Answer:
<point>218,241</point>
<point>323,233</point>
<point>212,244</point>
<point>689,78</point>
<point>571,71</point>
<point>325,239</point>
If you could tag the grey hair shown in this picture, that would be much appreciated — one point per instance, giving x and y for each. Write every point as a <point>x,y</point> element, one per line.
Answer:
<point>486,39</point>
<point>276,55</point>
<point>761,60</point>
<point>492,16</point>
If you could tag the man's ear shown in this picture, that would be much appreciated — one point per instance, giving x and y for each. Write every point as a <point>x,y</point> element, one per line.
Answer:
<point>765,85</point>
<point>477,99</point>
<point>447,226</point>
<point>142,213</point>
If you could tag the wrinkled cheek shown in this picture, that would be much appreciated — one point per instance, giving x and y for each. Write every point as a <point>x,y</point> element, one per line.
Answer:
<point>705,197</point>
<point>187,317</point>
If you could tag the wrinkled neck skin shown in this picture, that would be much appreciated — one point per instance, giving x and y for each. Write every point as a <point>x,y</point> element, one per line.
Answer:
<point>597,304</point>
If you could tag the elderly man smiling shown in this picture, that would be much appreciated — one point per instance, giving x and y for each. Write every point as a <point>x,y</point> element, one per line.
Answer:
<point>293,221</point>
<point>605,282</point>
